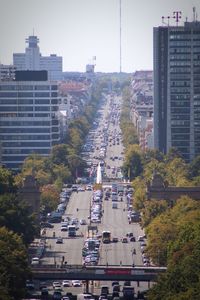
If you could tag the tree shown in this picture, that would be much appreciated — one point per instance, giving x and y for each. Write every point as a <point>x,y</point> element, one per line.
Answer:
<point>132,166</point>
<point>16,216</point>
<point>194,168</point>
<point>13,266</point>
<point>6,181</point>
<point>59,154</point>
<point>181,280</point>
<point>179,167</point>
<point>49,197</point>
<point>152,209</point>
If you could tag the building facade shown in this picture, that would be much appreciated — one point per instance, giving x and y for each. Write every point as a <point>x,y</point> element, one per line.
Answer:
<point>177,89</point>
<point>28,117</point>
<point>33,60</point>
<point>7,72</point>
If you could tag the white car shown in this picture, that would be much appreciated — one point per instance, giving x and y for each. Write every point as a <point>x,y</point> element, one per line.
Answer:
<point>56,283</point>
<point>66,283</point>
<point>76,283</point>
<point>35,261</point>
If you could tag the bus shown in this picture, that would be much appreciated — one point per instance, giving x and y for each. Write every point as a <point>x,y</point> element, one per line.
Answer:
<point>106,237</point>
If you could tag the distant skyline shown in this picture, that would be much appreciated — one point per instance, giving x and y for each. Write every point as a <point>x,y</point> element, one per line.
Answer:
<point>77,30</point>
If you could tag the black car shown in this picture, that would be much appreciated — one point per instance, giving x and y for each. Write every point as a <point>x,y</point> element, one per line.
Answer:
<point>46,225</point>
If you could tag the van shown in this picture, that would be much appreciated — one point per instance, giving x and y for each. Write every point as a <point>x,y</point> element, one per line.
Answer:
<point>114,205</point>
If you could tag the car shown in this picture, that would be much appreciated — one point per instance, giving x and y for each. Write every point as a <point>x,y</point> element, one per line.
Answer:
<point>124,240</point>
<point>83,222</point>
<point>59,240</point>
<point>65,298</point>
<point>57,295</point>
<point>46,225</point>
<point>116,288</point>
<point>64,228</point>
<point>66,283</point>
<point>88,188</point>
<point>35,261</point>
<point>140,238</point>
<point>76,283</point>
<point>132,239</point>
<point>44,293</point>
<point>81,189</point>
<point>55,283</point>
<point>115,240</point>
<point>115,283</point>
<point>43,285</point>
<point>30,285</point>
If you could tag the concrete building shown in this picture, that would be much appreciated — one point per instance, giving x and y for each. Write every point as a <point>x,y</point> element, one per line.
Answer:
<point>142,107</point>
<point>28,117</point>
<point>177,88</point>
<point>33,60</point>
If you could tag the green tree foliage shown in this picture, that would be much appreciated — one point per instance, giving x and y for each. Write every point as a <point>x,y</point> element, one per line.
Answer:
<point>164,229</point>
<point>6,181</point>
<point>13,266</point>
<point>49,197</point>
<point>59,154</point>
<point>177,172</point>
<point>152,209</point>
<point>181,280</point>
<point>139,193</point>
<point>15,215</point>
<point>132,166</point>
<point>150,154</point>
<point>194,168</point>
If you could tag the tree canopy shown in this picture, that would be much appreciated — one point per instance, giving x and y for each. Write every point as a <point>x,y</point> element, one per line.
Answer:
<point>14,268</point>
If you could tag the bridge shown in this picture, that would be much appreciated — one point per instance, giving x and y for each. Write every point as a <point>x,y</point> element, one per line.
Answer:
<point>96,273</point>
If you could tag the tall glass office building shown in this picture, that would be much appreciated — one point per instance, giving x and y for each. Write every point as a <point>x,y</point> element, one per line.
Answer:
<point>28,117</point>
<point>177,89</point>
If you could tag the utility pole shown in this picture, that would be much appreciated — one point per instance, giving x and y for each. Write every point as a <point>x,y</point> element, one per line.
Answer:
<point>120,35</point>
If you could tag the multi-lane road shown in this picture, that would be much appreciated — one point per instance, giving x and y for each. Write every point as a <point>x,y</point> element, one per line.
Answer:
<point>113,219</point>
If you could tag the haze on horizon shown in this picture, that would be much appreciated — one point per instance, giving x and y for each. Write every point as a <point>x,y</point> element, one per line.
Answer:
<point>77,30</point>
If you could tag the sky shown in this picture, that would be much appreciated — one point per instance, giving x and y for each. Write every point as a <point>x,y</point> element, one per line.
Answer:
<point>78,30</point>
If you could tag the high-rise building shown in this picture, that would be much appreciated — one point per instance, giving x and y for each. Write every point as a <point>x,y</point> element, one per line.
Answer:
<point>177,88</point>
<point>33,60</point>
<point>7,72</point>
<point>28,117</point>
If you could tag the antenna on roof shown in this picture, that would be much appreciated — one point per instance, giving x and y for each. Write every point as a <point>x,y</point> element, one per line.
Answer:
<point>194,13</point>
<point>163,18</point>
<point>177,16</point>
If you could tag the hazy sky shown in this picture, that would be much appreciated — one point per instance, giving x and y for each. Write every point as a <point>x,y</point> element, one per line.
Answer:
<point>77,30</point>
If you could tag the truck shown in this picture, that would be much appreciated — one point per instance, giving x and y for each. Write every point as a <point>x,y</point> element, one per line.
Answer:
<point>71,231</point>
<point>128,292</point>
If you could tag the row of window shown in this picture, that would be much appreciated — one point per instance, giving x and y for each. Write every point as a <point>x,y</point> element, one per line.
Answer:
<point>9,101</point>
<point>182,137</point>
<point>180,117</point>
<point>25,123</point>
<point>28,87</point>
<point>25,115</point>
<point>25,151</point>
<point>26,144</point>
<point>24,130</point>
<point>180,110</point>
<point>27,94</point>
<point>25,137</point>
